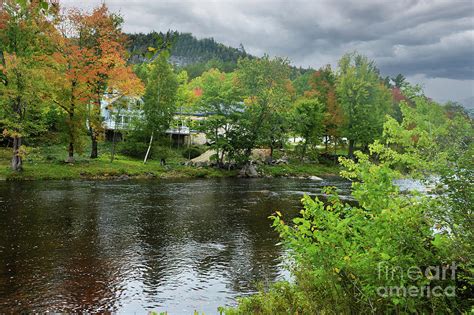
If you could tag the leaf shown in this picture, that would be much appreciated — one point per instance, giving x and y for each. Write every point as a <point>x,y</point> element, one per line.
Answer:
<point>44,5</point>
<point>438,241</point>
<point>22,3</point>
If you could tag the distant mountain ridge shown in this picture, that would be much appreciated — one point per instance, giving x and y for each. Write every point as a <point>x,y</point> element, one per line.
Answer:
<point>191,54</point>
<point>185,48</point>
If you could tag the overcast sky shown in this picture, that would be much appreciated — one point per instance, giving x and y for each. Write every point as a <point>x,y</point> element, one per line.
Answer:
<point>429,41</point>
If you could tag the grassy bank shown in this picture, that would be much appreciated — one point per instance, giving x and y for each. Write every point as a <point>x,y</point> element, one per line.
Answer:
<point>48,163</point>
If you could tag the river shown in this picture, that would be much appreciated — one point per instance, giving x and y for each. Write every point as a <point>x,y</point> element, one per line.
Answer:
<point>138,246</point>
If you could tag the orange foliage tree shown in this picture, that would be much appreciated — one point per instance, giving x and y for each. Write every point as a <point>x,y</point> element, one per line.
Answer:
<point>107,71</point>
<point>323,87</point>
<point>90,62</point>
<point>73,71</point>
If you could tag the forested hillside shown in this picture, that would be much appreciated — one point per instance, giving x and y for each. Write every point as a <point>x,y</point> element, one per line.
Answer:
<point>195,55</point>
<point>191,54</point>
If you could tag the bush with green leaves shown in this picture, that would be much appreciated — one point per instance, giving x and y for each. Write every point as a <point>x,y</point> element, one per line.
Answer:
<point>161,152</point>
<point>380,256</point>
<point>134,149</point>
<point>281,298</point>
<point>192,152</point>
<point>352,257</point>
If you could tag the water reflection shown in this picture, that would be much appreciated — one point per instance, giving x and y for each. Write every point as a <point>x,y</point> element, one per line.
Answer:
<point>140,245</point>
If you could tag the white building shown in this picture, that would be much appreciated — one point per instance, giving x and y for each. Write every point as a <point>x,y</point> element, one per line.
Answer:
<point>119,112</point>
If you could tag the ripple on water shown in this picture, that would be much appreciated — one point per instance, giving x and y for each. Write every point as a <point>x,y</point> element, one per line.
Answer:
<point>136,246</point>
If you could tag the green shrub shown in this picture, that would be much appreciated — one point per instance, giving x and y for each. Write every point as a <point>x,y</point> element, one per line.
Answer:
<point>360,259</point>
<point>133,149</point>
<point>192,152</point>
<point>161,152</point>
<point>281,298</point>
<point>311,153</point>
<point>135,143</point>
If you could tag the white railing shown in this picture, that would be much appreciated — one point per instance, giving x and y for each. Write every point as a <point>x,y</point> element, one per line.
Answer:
<point>183,130</point>
<point>111,124</point>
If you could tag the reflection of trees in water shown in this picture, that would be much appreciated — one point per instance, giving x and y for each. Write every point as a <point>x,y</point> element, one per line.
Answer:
<point>89,282</point>
<point>253,254</point>
<point>99,245</point>
<point>154,219</point>
<point>208,229</point>
<point>54,250</point>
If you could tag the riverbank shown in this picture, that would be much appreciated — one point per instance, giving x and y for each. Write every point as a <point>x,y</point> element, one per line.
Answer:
<point>41,167</point>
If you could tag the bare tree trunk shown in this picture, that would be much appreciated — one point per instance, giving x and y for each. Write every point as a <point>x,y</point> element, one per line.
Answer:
<point>17,162</point>
<point>114,134</point>
<point>149,148</point>
<point>112,154</point>
<point>366,148</point>
<point>303,152</point>
<point>217,147</point>
<point>70,158</point>
<point>351,148</point>
<point>94,133</point>
<point>94,152</point>
<point>189,144</point>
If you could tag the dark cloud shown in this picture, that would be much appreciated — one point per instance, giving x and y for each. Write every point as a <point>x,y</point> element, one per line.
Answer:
<point>419,38</point>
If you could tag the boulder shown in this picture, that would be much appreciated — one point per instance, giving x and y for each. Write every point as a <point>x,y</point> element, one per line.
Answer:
<point>248,170</point>
<point>150,175</point>
<point>315,178</point>
<point>280,161</point>
<point>123,177</point>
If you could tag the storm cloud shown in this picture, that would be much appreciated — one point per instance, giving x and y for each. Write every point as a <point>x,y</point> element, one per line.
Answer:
<point>425,40</point>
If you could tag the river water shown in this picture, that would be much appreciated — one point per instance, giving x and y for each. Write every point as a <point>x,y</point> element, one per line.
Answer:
<point>138,246</point>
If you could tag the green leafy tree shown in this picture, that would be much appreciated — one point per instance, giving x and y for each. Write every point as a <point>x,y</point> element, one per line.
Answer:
<point>438,141</point>
<point>302,83</point>
<point>221,101</point>
<point>268,97</point>
<point>419,143</point>
<point>185,96</point>
<point>453,211</point>
<point>308,117</point>
<point>25,57</point>
<point>364,99</point>
<point>160,97</point>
